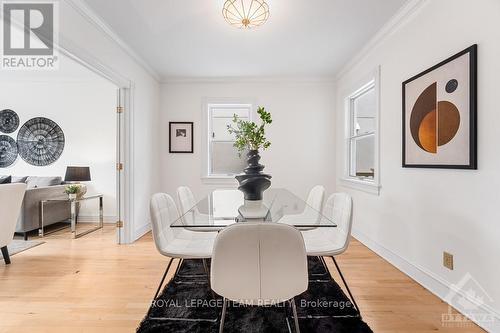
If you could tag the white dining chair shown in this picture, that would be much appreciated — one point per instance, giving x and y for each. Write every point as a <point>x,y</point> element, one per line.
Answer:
<point>312,211</point>
<point>333,241</point>
<point>316,197</point>
<point>186,200</point>
<point>11,199</point>
<point>176,243</point>
<point>259,264</point>
<point>190,212</point>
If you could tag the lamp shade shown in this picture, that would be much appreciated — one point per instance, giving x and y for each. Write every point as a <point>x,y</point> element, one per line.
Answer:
<point>77,174</point>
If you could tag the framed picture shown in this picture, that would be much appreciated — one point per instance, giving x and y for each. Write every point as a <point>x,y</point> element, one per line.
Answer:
<point>181,137</point>
<point>439,115</point>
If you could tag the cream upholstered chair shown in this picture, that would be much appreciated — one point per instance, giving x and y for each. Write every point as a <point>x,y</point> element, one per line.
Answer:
<point>11,199</point>
<point>176,242</point>
<point>316,197</point>
<point>186,200</point>
<point>330,242</point>
<point>189,210</point>
<point>259,264</point>
<point>312,211</point>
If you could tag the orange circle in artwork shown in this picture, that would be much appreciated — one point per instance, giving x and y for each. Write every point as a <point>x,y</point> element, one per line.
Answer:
<point>433,123</point>
<point>427,132</point>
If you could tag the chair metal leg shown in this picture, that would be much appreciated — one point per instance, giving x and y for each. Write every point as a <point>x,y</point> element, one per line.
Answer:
<point>323,262</point>
<point>223,316</point>
<point>207,271</point>
<point>163,278</point>
<point>178,268</point>
<point>347,287</point>
<point>5,254</point>
<point>295,317</point>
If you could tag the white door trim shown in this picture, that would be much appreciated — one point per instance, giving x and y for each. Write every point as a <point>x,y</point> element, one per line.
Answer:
<point>85,59</point>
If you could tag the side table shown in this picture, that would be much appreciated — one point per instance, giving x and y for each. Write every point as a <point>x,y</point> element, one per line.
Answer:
<point>74,216</point>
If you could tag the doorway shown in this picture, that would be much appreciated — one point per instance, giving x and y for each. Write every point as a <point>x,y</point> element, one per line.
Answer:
<point>88,108</point>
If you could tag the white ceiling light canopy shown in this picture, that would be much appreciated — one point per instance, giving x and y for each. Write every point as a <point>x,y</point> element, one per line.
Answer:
<point>246,14</point>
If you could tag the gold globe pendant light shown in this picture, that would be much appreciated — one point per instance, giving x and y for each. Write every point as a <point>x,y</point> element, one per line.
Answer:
<point>246,14</point>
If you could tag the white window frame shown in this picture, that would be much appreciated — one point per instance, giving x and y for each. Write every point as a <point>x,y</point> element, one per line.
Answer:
<point>370,185</point>
<point>207,105</point>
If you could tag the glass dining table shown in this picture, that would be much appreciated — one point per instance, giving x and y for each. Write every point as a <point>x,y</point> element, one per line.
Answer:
<point>223,207</point>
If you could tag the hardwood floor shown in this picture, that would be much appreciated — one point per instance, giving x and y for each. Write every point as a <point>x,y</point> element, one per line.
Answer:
<point>93,285</point>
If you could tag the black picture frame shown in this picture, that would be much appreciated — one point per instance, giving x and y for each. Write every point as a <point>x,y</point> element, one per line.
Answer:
<point>472,50</point>
<point>189,124</point>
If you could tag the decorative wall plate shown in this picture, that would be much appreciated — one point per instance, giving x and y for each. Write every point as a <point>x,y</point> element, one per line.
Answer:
<point>40,141</point>
<point>9,121</point>
<point>8,151</point>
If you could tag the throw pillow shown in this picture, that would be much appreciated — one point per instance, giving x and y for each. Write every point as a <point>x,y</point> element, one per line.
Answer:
<point>19,179</point>
<point>5,180</point>
<point>35,182</point>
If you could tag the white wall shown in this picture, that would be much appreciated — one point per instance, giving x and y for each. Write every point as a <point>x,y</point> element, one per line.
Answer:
<point>422,212</point>
<point>302,132</point>
<point>82,104</point>
<point>82,34</point>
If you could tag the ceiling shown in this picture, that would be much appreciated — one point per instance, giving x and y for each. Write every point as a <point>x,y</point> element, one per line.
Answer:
<point>191,39</point>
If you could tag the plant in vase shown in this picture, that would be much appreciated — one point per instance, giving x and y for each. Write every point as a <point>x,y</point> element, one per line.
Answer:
<point>72,191</point>
<point>251,137</point>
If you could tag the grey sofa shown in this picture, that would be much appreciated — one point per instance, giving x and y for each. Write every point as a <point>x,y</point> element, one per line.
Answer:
<point>38,189</point>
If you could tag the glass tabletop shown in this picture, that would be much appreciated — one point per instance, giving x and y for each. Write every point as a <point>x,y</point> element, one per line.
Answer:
<point>224,207</point>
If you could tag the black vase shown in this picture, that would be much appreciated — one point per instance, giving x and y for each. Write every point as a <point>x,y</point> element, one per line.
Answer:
<point>253,182</point>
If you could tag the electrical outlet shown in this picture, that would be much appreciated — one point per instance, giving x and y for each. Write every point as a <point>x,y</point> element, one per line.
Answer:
<point>448,260</point>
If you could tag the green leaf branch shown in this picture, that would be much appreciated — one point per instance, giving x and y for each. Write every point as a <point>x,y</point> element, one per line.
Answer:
<point>72,189</point>
<point>250,135</point>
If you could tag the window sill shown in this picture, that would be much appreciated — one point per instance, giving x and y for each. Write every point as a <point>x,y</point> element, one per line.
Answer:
<point>361,185</point>
<point>219,180</point>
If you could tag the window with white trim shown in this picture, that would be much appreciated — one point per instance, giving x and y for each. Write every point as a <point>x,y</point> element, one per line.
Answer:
<point>362,136</point>
<point>223,158</point>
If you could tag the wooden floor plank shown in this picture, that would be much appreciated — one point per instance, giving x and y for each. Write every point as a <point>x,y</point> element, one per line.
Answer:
<point>92,284</point>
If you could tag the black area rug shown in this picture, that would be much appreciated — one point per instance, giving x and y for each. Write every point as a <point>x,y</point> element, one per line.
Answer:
<point>188,305</point>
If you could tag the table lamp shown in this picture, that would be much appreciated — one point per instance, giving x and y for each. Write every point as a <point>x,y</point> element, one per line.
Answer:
<point>76,175</point>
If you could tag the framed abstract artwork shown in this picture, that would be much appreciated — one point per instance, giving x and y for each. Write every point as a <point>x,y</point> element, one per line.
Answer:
<point>181,137</point>
<point>440,116</point>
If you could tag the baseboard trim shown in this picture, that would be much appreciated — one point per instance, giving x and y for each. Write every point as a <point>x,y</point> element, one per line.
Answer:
<point>430,281</point>
<point>141,231</point>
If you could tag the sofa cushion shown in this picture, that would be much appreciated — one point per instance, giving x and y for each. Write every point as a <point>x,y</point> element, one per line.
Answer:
<point>21,179</point>
<point>5,179</point>
<point>35,182</point>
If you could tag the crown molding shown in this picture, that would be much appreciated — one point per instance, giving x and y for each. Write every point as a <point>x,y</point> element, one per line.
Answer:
<point>249,79</point>
<point>401,17</point>
<point>83,9</point>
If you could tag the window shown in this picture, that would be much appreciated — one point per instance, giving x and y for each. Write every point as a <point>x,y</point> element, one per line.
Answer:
<point>362,137</point>
<point>223,158</point>
<point>362,116</point>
